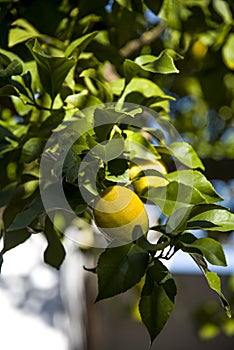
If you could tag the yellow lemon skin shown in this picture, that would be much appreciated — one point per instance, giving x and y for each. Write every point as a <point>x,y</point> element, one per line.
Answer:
<point>199,49</point>
<point>142,185</point>
<point>118,211</point>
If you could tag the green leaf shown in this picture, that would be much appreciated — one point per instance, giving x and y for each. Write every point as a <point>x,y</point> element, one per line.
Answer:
<point>52,70</point>
<point>9,90</point>
<point>6,133</point>
<point>125,3</point>
<point>215,284</point>
<point>4,60</point>
<point>6,57</point>
<point>223,9</point>
<point>32,149</point>
<point>131,69</point>
<point>210,248</point>
<point>79,44</point>
<point>120,268</point>
<point>173,197</point>
<point>104,120</point>
<point>55,252</point>
<point>197,180</point>
<point>146,245</point>
<point>24,218</point>
<point>51,122</point>
<point>14,68</point>
<point>12,239</point>
<point>228,52</point>
<point>110,150</point>
<point>6,193</point>
<point>163,64</point>
<point>148,89</point>
<point>139,147</point>
<point>117,86</point>
<point>157,298</point>
<point>177,221</point>
<point>22,31</point>
<point>186,154</point>
<point>213,281</point>
<point>211,217</point>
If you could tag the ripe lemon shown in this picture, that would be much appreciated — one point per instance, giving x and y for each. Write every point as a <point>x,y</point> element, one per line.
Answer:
<point>142,184</point>
<point>118,211</point>
<point>199,49</point>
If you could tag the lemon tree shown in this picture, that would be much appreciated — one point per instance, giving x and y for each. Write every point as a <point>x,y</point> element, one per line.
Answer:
<point>77,145</point>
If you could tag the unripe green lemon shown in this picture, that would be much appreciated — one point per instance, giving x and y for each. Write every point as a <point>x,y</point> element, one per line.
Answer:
<point>142,184</point>
<point>118,211</point>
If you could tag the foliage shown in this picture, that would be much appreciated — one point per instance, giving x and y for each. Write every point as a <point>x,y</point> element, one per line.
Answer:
<point>79,55</point>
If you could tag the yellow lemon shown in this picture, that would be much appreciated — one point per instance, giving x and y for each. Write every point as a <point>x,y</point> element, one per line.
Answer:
<point>142,184</point>
<point>199,49</point>
<point>118,211</point>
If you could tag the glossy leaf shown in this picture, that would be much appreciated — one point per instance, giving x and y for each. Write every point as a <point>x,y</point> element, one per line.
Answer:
<point>52,70</point>
<point>197,180</point>
<point>79,44</point>
<point>131,69</point>
<point>173,197</point>
<point>211,249</point>
<point>186,155</point>
<point>163,64</point>
<point>157,298</point>
<point>137,146</point>
<point>148,89</point>
<point>211,217</point>
<point>120,268</point>
<point>22,31</point>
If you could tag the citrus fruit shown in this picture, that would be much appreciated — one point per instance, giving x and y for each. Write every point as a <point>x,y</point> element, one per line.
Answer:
<point>199,49</point>
<point>118,211</point>
<point>142,184</point>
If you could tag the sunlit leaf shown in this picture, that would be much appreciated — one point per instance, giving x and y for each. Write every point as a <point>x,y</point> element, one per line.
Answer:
<point>196,179</point>
<point>228,52</point>
<point>215,284</point>
<point>210,248</point>
<point>185,153</point>
<point>163,64</point>
<point>174,196</point>
<point>22,31</point>
<point>219,218</point>
<point>79,44</point>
